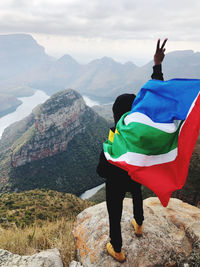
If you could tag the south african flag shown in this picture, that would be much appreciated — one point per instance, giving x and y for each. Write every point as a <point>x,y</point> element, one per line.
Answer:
<point>155,140</point>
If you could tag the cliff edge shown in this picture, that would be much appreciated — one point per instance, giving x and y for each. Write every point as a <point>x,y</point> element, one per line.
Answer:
<point>171,235</point>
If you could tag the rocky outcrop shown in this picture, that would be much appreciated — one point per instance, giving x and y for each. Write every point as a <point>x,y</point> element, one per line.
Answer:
<point>171,235</point>
<point>47,258</point>
<point>55,124</point>
<point>56,147</point>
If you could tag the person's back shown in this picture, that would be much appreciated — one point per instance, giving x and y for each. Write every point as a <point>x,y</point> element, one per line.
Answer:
<point>118,182</point>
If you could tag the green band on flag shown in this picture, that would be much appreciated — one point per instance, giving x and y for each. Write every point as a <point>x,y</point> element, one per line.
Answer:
<point>141,138</point>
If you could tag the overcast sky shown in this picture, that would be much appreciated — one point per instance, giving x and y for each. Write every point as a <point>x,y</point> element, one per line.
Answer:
<point>122,29</point>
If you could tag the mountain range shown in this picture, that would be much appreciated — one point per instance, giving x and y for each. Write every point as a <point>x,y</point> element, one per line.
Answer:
<point>23,62</point>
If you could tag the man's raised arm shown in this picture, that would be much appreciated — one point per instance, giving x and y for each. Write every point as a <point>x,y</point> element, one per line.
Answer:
<point>158,58</point>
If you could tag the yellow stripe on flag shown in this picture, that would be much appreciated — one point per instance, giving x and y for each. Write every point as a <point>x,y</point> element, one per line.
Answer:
<point>116,132</point>
<point>111,135</point>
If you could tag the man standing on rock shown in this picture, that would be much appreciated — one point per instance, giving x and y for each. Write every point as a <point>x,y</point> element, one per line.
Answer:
<point>118,182</point>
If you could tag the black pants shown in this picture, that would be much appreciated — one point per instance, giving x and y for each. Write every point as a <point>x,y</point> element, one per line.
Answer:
<point>116,188</point>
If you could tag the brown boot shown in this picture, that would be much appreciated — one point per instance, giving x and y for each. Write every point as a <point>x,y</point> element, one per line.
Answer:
<point>119,256</point>
<point>138,228</point>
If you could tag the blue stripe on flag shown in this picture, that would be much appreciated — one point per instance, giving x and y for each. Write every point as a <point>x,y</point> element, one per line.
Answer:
<point>166,101</point>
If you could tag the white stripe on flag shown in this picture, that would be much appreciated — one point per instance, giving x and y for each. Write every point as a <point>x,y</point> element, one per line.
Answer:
<point>142,118</point>
<point>142,160</point>
<point>190,110</point>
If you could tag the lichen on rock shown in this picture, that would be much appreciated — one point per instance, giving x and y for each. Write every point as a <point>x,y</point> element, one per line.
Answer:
<point>171,235</point>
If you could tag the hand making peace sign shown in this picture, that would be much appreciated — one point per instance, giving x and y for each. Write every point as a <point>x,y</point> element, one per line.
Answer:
<point>160,52</point>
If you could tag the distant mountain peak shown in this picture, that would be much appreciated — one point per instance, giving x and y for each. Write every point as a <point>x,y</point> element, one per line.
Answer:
<point>68,59</point>
<point>181,53</point>
<point>108,59</point>
<point>20,53</point>
<point>105,61</point>
<point>129,64</point>
<point>24,40</point>
<point>15,36</point>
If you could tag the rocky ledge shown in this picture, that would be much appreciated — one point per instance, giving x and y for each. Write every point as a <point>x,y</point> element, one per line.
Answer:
<point>171,236</point>
<point>47,258</point>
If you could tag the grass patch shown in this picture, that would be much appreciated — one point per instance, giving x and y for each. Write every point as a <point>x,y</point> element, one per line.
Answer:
<point>36,220</point>
<point>35,238</point>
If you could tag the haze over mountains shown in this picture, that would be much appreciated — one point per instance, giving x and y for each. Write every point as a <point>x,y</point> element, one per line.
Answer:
<point>19,53</point>
<point>23,62</point>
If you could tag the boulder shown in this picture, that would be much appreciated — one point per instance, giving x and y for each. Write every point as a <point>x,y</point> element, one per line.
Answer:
<point>47,258</point>
<point>171,235</point>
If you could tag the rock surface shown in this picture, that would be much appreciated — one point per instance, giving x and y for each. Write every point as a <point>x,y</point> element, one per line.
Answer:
<point>171,235</point>
<point>75,264</point>
<point>55,125</point>
<point>47,258</point>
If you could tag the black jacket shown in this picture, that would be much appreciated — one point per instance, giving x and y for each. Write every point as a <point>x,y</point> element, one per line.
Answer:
<point>106,169</point>
<point>157,73</point>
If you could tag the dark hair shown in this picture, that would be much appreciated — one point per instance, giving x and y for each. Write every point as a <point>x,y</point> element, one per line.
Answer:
<point>122,104</point>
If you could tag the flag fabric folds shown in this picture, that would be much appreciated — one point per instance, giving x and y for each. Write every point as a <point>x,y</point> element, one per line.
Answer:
<point>155,140</point>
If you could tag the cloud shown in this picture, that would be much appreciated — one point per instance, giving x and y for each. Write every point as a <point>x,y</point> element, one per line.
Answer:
<point>122,29</point>
<point>119,19</point>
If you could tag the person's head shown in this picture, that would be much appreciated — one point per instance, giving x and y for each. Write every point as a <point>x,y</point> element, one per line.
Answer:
<point>122,104</point>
